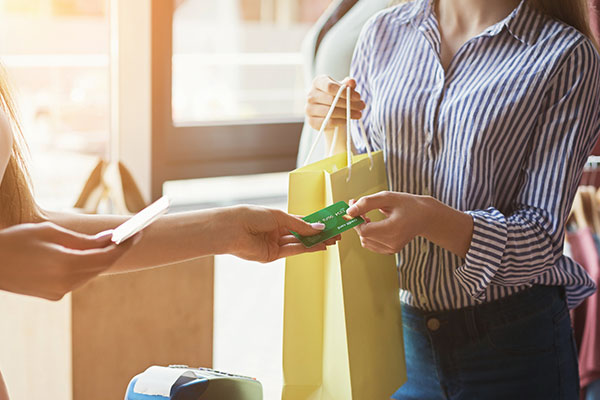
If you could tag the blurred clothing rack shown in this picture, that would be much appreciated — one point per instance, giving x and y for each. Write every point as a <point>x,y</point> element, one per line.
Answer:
<point>583,246</point>
<point>593,160</point>
<point>591,172</point>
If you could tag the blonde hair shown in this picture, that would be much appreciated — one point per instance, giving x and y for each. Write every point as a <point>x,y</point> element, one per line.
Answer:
<point>17,204</point>
<point>571,12</point>
<point>574,13</point>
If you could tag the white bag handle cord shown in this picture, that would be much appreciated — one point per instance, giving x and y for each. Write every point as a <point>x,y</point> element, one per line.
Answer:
<point>333,141</point>
<point>348,136</point>
<point>325,122</point>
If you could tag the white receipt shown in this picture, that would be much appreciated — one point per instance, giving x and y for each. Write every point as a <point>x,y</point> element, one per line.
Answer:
<point>140,220</point>
<point>158,381</point>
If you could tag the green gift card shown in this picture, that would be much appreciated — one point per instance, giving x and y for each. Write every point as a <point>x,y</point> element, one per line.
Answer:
<point>335,219</point>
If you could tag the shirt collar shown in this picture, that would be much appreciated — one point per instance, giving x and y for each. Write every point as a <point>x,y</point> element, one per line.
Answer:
<point>414,12</point>
<point>523,22</point>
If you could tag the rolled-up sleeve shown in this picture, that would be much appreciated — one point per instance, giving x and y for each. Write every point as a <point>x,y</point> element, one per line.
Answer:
<point>515,248</point>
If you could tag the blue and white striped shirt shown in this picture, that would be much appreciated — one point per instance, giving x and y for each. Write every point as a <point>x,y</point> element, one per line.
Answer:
<point>502,135</point>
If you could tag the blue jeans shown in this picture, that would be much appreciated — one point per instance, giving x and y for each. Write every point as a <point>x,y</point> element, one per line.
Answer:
<point>519,347</point>
<point>592,391</point>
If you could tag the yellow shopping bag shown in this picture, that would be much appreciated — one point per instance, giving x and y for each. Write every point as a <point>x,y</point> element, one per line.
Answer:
<point>342,337</point>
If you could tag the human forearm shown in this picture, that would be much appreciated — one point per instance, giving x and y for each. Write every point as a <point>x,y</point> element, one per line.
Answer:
<point>171,239</point>
<point>409,215</point>
<point>253,233</point>
<point>447,227</point>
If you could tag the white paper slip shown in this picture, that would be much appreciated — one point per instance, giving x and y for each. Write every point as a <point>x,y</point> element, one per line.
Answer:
<point>140,220</point>
<point>158,381</point>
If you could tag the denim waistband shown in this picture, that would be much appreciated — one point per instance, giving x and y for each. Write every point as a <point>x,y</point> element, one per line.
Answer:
<point>475,320</point>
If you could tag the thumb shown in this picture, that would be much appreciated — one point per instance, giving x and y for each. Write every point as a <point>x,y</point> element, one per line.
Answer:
<point>75,240</point>
<point>366,204</point>
<point>100,259</point>
<point>297,225</point>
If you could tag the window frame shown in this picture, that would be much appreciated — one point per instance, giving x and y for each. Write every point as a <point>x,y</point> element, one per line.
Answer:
<point>207,149</point>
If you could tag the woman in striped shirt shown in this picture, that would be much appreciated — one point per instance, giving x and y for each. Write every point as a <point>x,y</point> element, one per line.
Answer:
<point>486,112</point>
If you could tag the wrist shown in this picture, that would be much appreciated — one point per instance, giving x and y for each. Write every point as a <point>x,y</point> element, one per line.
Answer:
<point>447,227</point>
<point>218,233</point>
<point>429,212</point>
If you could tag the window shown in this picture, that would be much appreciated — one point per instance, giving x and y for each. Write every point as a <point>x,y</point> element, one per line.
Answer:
<point>57,63</point>
<point>228,86</point>
<point>239,59</point>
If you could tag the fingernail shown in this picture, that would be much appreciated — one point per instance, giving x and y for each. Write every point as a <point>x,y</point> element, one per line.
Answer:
<point>318,225</point>
<point>351,210</point>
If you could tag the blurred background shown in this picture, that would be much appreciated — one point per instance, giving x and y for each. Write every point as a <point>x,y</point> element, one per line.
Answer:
<point>233,60</point>
<point>234,63</point>
<point>203,101</point>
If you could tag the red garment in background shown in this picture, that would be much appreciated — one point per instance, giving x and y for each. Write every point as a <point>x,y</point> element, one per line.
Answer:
<point>584,251</point>
<point>595,18</point>
<point>585,316</point>
<point>595,25</point>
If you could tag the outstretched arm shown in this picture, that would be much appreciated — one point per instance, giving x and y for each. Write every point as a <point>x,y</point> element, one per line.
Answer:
<point>253,233</point>
<point>409,215</point>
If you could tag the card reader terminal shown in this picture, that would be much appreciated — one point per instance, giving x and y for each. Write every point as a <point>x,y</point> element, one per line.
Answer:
<point>179,382</point>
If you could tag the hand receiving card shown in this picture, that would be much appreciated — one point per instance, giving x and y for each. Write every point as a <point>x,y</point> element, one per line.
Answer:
<point>335,219</point>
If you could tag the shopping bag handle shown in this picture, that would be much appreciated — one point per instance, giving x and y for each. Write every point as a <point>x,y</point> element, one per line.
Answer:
<point>333,141</point>
<point>335,134</point>
<point>325,122</point>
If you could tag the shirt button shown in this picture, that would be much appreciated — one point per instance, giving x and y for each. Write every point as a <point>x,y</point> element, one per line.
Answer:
<point>433,324</point>
<point>423,299</point>
<point>424,249</point>
<point>426,192</point>
<point>428,136</point>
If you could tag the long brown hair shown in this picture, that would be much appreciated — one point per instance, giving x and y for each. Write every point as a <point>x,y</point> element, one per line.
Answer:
<point>574,13</point>
<point>17,204</point>
<point>571,12</point>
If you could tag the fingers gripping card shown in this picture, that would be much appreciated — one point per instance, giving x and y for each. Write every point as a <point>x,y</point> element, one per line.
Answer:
<point>336,221</point>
